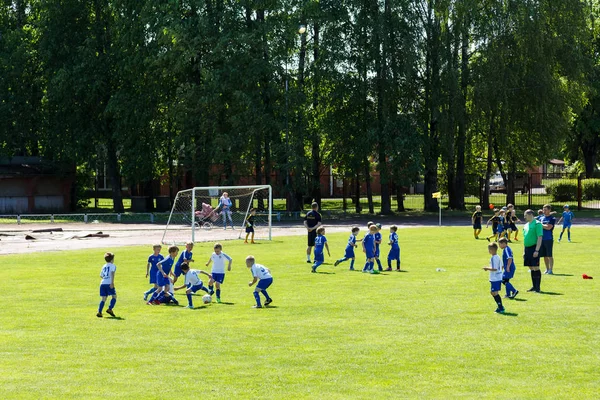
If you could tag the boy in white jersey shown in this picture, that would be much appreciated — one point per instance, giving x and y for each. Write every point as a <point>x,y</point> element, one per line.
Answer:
<point>107,285</point>
<point>193,283</point>
<point>262,275</point>
<point>496,272</point>
<point>218,269</point>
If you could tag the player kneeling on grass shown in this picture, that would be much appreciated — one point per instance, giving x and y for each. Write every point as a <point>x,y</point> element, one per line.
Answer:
<point>349,254</point>
<point>508,264</point>
<point>218,269</point>
<point>262,275</point>
<point>107,285</point>
<point>495,269</point>
<point>193,283</point>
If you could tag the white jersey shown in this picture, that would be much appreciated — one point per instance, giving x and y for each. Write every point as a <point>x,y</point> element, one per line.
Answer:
<point>192,278</point>
<point>496,263</point>
<point>218,262</point>
<point>260,272</point>
<point>106,272</point>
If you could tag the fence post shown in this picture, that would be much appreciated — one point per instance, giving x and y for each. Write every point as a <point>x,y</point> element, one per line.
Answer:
<point>85,219</point>
<point>18,219</point>
<point>52,218</point>
<point>119,217</point>
<point>530,189</point>
<point>151,218</point>
<point>579,193</point>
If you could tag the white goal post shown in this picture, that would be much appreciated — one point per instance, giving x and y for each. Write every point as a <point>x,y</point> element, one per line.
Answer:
<point>196,215</point>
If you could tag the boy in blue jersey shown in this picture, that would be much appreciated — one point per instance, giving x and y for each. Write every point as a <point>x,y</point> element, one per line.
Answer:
<point>320,243</point>
<point>394,253</point>
<point>193,283</point>
<point>378,240</point>
<point>349,254</point>
<point>261,275</point>
<point>107,285</point>
<point>218,259</point>
<point>495,269</point>
<point>152,269</point>
<point>548,223</point>
<point>162,278</point>
<point>508,264</point>
<point>567,220</point>
<point>368,244</point>
<point>185,257</point>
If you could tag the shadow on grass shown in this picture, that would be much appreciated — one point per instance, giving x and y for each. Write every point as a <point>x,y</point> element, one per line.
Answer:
<point>519,299</point>
<point>270,306</point>
<point>552,293</point>
<point>562,275</point>
<point>227,303</point>
<point>510,314</point>
<point>115,319</point>
<point>198,308</point>
<point>325,273</point>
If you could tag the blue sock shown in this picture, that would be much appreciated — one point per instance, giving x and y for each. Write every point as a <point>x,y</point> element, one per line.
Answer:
<point>569,234</point>
<point>189,296</point>
<point>218,293</point>
<point>210,287</point>
<point>398,264</point>
<point>560,237</point>
<point>389,263</point>
<point>379,263</point>
<point>149,291</point>
<point>101,306</point>
<point>371,265</point>
<point>352,264</point>
<point>113,301</point>
<point>257,297</point>
<point>264,292</point>
<point>366,268</point>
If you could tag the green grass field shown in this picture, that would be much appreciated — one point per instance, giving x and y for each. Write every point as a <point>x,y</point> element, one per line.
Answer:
<point>333,335</point>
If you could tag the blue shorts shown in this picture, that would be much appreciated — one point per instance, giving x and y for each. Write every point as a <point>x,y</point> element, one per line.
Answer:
<point>500,229</point>
<point>567,226</point>
<point>177,272</point>
<point>394,254</point>
<point>509,275</point>
<point>218,277</point>
<point>495,286</point>
<point>349,252</point>
<point>152,274</point>
<point>370,254</point>
<point>263,284</point>
<point>195,288</point>
<point>528,259</point>
<point>105,290</point>
<point>162,281</point>
<point>319,257</point>
<point>477,225</point>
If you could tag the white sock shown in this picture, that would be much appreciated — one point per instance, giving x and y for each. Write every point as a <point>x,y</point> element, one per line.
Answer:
<point>308,257</point>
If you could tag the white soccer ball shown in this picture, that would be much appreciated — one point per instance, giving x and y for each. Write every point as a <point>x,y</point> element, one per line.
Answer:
<point>206,298</point>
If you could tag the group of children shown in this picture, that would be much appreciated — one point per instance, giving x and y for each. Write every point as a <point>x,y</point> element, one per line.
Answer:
<point>164,272</point>
<point>370,246</point>
<point>504,223</point>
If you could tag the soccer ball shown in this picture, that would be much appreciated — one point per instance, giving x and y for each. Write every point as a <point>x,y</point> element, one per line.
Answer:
<point>491,206</point>
<point>206,298</point>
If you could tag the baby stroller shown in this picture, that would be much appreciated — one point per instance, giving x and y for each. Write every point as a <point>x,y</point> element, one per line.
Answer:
<point>206,217</point>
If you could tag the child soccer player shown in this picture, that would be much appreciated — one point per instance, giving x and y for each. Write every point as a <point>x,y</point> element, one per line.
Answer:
<point>540,215</point>
<point>107,285</point>
<point>162,278</point>
<point>503,231</point>
<point>476,221</point>
<point>495,220</point>
<point>263,276</point>
<point>368,244</point>
<point>511,216</point>
<point>250,225</point>
<point>508,264</point>
<point>193,283</point>
<point>566,219</point>
<point>378,240</point>
<point>495,269</point>
<point>320,243</point>
<point>349,254</point>
<point>152,269</point>
<point>185,257</point>
<point>218,269</point>
<point>394,253</point>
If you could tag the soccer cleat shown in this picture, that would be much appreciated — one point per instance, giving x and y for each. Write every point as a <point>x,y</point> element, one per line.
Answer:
<point>99,315</point>
<point>389,269</point>
<point>336,263</point>
<point>514,294</point>
<point>499,310</point>
<point>558,240</point>
<point>145,297</point>
<point>190,307</point>
<point>253,242</point>
<point>351,269</point>
<point>550,272</point>
<point>531,290</point>
<point>488,239</point>
<point>308,261</point>
<point>374,272</point>
<point>569,240</point>
<point>245,242</point>
<point>509,241</point>
<point>211,292</point>
<point>268,302</point>
<point>506,297</point>
<point>380,269</point>
<point>110,312</point>
<point>218,299</point>
<point>516,240</point>
<point>175,302</point>
<point>257,306</point>
<point>313,270</point>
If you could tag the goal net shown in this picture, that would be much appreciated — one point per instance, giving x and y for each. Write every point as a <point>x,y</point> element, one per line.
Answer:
<point>219,213</point>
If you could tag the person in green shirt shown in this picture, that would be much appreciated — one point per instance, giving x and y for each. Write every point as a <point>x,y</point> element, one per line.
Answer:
<point>532,241</point>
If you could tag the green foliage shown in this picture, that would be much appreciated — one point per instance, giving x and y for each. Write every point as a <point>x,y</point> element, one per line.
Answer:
<point>590,189</point>
<point>562,190</point>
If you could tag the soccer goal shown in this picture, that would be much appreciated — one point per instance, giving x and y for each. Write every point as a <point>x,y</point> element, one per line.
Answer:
<point>196,215</point>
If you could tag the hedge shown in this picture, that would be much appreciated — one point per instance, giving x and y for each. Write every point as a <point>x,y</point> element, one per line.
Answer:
<point>563,190</point>
<point>590,189</point>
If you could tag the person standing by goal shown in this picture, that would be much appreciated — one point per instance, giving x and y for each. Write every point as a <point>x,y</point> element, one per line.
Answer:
<point>312,222</point>
<point>225,207</point>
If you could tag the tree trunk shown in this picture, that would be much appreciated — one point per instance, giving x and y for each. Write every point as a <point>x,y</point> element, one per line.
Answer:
<point>112,166</point>
<point>461,138</point>
<point>369,189</point>
<point>315,136</point>
<point>400,199</point>
<point>357,207</point>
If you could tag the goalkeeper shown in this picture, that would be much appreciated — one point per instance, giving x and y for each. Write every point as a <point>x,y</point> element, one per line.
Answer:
<point>250,225</point>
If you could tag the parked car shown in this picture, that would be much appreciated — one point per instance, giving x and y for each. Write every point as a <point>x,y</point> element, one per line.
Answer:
<point>497,184</point>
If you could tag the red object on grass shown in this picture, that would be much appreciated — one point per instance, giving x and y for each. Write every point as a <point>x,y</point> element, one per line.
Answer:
<point>585,276</point>
<point>491,206</point>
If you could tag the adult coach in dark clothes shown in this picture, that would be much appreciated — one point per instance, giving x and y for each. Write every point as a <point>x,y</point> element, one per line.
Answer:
<point>548,222</point>
<point>312,221</point>
<point>532,241</point>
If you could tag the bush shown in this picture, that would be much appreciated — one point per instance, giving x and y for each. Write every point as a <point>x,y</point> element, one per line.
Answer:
<point>562,190</point>
<point>591,189</point>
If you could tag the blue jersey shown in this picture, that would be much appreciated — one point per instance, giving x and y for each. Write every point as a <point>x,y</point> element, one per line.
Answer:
<point>394,240</point>
<point>185,255</point>
<point>166,265</point>
<point>369,243</point>
<point>548,220</point>
<point>567,217</point>
<point>320,241</point>
<point>506,254</point>
<point>377,239</point>
<point>153,261</point>
<point>351,242</point>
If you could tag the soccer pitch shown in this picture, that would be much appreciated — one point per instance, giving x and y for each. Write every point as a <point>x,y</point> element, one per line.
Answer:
<point>333,335</point>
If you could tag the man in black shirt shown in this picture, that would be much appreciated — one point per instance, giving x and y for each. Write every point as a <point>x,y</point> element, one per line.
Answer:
<point>312,221</point>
